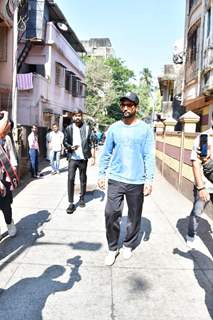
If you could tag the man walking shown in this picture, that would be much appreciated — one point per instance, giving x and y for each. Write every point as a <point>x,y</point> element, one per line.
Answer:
<point>78,144</point>
<point>55,142</point>
<point>33,151</point>
<point>128,154</point>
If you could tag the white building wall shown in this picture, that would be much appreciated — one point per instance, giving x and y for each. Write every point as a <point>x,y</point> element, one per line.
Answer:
<point>46,96</point>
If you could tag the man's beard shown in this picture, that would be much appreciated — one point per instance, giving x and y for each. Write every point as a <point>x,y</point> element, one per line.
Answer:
<point>78,122</point>
<point>128,115</point>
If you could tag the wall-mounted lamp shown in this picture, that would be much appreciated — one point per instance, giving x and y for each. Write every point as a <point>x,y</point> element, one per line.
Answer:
<point>62,26</point>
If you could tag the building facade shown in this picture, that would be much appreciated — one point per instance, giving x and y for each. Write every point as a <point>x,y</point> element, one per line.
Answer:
<point>6,53</point>
<point>198,77</point>
<point>98,47</point>
<point>50,79</point>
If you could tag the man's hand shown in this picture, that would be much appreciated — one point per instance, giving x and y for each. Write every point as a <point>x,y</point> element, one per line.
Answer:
<point>204,195</point>
<point>73,148</point>
<point>101,183</point>
<point>204,159</point>
<point>147,190</point>
<point>92,161</point>
<point>2,190</point>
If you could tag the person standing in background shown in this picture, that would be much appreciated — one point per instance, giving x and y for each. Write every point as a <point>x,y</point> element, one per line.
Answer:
<point>33,151</point>
<point>55,141</point>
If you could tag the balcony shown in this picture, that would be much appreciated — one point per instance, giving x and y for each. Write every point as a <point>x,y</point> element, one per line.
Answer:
<point>40,89</point>
<point>55,38</point>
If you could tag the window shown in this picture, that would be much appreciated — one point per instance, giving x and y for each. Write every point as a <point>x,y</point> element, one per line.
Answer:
<point>35,68</point>
<point>74,86</point>
<point>192,47</point>
<point>191,4</point>
<point>83,92</point>
<point>59,74</point>
<point>78,87</point>
<point>208,26</point>
<point>3,44</point>
<point>68,81</point>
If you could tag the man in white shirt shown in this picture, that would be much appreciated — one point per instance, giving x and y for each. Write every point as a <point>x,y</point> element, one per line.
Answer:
<point>33,151</point>
<point>78,144</point>
<point>55,140</point>
<point>203,188</point>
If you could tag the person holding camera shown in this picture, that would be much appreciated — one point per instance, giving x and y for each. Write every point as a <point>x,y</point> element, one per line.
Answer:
<point>202,167</point>
<point>78,144</point>
<point>55,143</point>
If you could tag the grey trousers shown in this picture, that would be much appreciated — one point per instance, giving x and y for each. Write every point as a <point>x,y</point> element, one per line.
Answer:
<point>113,212</point>
<point>198,207</point>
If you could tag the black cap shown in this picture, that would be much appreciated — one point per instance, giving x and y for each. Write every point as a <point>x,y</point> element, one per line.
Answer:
<point>131,96</point>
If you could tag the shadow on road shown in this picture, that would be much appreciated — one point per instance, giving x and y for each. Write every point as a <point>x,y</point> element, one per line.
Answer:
<point>145,230</point>
<point>203,271</point>
<point>204,231</point>
<point>28,231</point>
<point>26,298</point>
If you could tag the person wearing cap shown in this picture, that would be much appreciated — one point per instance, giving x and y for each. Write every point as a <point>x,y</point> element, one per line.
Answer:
<point>128,157</point>
<point>78,144</point>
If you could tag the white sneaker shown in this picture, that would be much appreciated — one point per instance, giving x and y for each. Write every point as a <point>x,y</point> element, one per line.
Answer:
<point>110,258</point>
<point>11,229</point>
<point>127,253</point>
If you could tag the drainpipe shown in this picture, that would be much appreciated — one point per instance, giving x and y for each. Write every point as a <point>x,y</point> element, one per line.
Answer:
<point>14,65</point>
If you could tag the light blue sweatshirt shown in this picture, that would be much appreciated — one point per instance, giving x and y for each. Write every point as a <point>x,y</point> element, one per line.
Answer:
<point>128,153</point>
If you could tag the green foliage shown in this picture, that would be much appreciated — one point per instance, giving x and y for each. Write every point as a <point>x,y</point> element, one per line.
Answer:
<point>144,90</point>
<point>107,80</point>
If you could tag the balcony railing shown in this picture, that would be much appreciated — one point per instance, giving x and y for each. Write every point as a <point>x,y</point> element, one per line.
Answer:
<point>54,37</point>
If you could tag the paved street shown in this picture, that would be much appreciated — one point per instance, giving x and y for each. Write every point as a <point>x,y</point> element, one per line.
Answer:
<point>54,268</point>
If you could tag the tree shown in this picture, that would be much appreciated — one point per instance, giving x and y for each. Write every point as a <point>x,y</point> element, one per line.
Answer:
<point>121,77</point>
<point>144,90</point>
<point>106,80</point>
<point>99,86</point>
